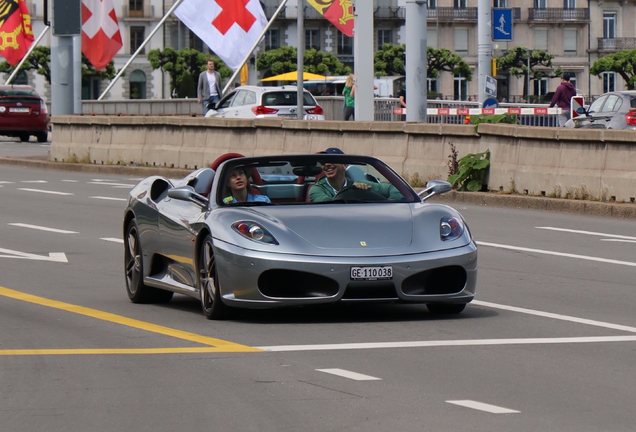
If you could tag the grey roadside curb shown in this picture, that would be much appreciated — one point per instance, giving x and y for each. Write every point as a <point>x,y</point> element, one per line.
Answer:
<point>589,208</point>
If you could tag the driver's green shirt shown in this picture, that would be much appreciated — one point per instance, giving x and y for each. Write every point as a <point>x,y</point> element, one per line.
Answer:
<point>322,190</point>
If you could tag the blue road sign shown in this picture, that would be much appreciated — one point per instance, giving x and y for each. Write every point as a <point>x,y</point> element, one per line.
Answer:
<point>490,102</point>
<point>501,24</point>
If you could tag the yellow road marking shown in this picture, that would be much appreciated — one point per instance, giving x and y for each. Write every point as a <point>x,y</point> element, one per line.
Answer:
<point>121,351</point>
<point>220,345</point>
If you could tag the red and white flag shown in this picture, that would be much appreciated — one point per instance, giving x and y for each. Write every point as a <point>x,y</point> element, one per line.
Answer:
<point>15,31</point>
<point>101,38</point>
<point>229,27</point>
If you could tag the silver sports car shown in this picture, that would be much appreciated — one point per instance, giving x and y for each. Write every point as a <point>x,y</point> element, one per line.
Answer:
<point>283,230</point>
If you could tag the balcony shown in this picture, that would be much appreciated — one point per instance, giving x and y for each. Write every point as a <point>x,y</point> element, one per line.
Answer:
<point>148,12</point>
<point>449,14</point>
<point>616,44</point>
<point>559,15</point>
<point>389,13</point>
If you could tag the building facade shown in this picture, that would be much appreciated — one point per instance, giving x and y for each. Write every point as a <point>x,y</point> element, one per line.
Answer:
<point>576,32</point>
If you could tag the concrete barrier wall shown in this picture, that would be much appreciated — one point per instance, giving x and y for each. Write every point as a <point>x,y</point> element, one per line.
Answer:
<point>537,161</point>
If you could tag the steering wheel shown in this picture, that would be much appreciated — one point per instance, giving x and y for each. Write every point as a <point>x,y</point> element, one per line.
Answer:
<point>352,193</point>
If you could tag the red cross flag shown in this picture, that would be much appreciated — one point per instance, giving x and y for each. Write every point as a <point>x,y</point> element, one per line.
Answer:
<point>228,27</point>
<point>101,38</point>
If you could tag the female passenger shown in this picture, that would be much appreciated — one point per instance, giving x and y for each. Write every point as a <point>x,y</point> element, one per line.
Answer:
<point>237,189</point>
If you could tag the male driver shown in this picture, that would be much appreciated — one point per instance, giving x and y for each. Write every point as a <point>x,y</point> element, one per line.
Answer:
<point>209,86</point>
<point>562,97</point>
<point>335,180</point>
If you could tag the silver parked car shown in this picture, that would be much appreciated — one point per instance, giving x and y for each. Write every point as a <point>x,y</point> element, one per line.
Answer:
<point>615,110</point>
<point>263,102</point>
<point>374,240</point>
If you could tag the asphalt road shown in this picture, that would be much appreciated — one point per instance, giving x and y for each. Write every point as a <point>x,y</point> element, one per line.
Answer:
<point>547,346</point>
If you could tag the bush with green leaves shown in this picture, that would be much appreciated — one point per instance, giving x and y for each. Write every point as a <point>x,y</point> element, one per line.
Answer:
<point>496,118</point>
<point>471,172</point>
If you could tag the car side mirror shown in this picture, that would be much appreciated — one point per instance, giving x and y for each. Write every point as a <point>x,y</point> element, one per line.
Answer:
<point>581,110</point>
<point>435,187</point>
<point>187,193</point>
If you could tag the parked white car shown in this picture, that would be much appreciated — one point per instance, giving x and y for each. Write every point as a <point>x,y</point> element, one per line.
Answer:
<point>265,102</point>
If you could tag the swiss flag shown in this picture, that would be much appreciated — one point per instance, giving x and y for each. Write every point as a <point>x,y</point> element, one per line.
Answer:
<point>229,27</point>
<point>101,38</point>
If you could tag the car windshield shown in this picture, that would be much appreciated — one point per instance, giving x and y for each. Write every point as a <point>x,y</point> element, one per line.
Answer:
<point>286,98</point>
<point>311,180</point>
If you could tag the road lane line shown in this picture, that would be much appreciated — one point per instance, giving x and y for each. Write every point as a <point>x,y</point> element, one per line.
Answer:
<point>41,228</point>
<point>493,409</point>
<point>118,319</point>
<point>109,198</point>
<point>566,255</point>
<point>587,233</point>
<point>79,351</point>
<point>113,239</point>
<point>70,181</point>
<point>619,240</point>
<point>556,316</point>
<point>112,184</point>
<point>33,181</point>
<point>45,191</point>
<point>348,374</point>
<point>448,343</point>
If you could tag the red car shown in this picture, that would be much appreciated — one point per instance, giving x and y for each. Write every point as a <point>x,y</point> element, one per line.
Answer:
<point>23,113</point>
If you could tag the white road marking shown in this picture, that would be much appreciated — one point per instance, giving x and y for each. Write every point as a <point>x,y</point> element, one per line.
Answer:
<point>112,184</point>
<point>619,240</point>
<point>448,343</point>
<point>41,228</point>
<point>53,256</point>
<point>557,316</point>
<point>112,239</point>
<point>348,374</point>
<point>109,198</point>
<point>587,233</point>
<point>6,182</point>
<point>70,181</point>
<point>45,191</point>
<point>494,409</point>
<point>567,255</point>
<point>33,181</point>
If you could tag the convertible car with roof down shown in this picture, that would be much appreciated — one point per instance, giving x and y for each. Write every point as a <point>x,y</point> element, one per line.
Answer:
<point>374,240</point>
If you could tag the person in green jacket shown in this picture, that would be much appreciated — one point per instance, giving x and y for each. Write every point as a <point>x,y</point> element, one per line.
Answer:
<point>349,93</point>
<point>335,180</point>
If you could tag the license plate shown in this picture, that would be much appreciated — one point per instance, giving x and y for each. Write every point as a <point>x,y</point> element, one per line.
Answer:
<point>288,115</point>
<point>371,273</point>
<point>19,110</point>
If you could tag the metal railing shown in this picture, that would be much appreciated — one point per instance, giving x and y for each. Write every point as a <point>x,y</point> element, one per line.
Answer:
<point>390,13</point>
<point>452,14</point>
<point>147,12</point>
<point>558,14</point>
<point>616,44</point>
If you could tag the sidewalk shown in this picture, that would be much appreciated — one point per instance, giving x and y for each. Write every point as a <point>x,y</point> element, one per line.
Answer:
<point>589,208</point>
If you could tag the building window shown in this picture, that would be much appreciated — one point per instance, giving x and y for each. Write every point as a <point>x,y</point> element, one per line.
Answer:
<point>460,88</point>
<point>385,36</point>
<point>272,39</point>
<point>609,82</point>
<point>569,42</point>
<point>312,39</point>
<point>433,87</point>
<point>345,44</point>
<point>460,4</point>
<point>573,80</point>
<point>541,39</point>
<point>540,4</point>
<point>500,3</point>
<point>137,37</point>
<point>461,41</point>
<point>432,4</point>
<point>137,85</point>
<point>431,37</point>
<point>136,8</point>
<point>21,78</point>
<point>540,87</point>
<point>609,25</point>
<point>569,4</point>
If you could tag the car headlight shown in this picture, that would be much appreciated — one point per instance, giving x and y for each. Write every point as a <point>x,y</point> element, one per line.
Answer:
<point>254,231</point>
<point>450,228</point>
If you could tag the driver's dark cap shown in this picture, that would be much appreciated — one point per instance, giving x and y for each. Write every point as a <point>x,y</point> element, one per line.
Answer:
<point>333,150</point>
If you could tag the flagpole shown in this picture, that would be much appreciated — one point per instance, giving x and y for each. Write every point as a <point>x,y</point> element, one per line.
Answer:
<point>31,48</point>
<point>258,40</point>
<point>141,47</point>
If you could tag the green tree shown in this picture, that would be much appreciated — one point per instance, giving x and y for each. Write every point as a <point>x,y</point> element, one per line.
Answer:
<point>184,64</point>
<point>283,60</point>
<point>622,63</point>
<point>40,61</point>
<point>391,60</point>
<point>517,59</point>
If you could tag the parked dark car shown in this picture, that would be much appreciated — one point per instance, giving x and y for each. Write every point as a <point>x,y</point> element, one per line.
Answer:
<point>615,110</point>
<point>23,113</point>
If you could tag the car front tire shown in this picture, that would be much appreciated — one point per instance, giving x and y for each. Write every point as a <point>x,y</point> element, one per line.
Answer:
<point>211,303</point>
<point>137,291</point>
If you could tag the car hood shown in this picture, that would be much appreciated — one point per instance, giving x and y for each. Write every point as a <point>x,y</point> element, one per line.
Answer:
<point>341,229</point>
